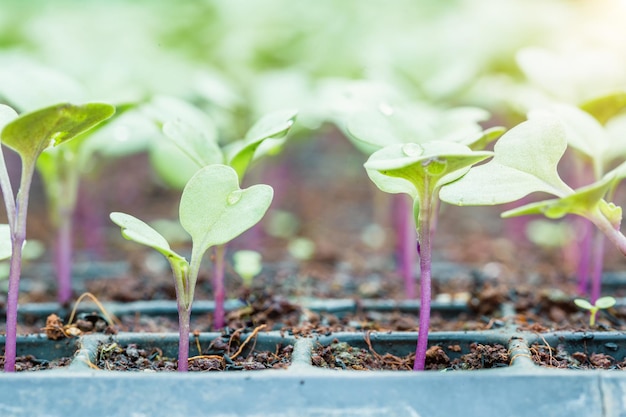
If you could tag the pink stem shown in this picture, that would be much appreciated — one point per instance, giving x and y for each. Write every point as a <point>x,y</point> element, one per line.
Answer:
<point>597,266</point>
<point>407,236</point>
<point>63,259</point>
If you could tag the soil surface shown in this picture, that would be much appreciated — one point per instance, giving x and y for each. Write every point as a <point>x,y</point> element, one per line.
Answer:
<point>342,356</point>
<point>228,353</point>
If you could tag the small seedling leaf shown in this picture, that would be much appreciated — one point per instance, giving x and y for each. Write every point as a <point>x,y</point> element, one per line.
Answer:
<point>605,302</point>
<point>262,138</point>
<point>584,304</point>
<point>214,210</point>
<point>31,133</point>
<point>198,146</point>
<point>140,232</point>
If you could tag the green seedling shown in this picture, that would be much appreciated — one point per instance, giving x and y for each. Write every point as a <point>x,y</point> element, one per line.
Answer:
<point>29,135</point>
<point>193,144</point>
<point>420,170</point>
<point>525,162</point>
<point>247,263</point>
<point>61,170</point>
<point>601,303</point>
<point>213,210</point>
<point>375,127</point>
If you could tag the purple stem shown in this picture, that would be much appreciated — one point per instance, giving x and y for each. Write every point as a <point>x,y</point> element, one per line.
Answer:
<point>10,347</point>
<point>218,286</point>
<point>584,253</point>
<point>407,236</point>
<point>63,259</point>
<point>425,249</point>
<point>184,315</point>
<point>597,266</point>
<point>18,236</point>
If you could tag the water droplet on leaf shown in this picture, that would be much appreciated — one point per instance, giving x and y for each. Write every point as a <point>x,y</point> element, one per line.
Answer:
<point>412,149</point>
<point>234,197</point>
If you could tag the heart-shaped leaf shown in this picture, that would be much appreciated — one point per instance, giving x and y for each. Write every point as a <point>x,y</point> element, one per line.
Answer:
<point>525,161</point>
<point>140,232</point>
<point>214,210</point>
<point>31,133</point>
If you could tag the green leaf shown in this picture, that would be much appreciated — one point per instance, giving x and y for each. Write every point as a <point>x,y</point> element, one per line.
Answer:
<point>199,146</point>
<point>605,302</point>
<point>6,115</point>
<point>6,248</point>
<point>580,202</point>
<point>605,107</point>
<point>582,131</point>
<point>482,139</point>
<point>525,161</point>
<point>584,304</point>
<point>138,231</point>
<point>214,210</point>
<point>264,136</point>
<point>440,161</point>
<point>389,124</point>
<point>31,133</point>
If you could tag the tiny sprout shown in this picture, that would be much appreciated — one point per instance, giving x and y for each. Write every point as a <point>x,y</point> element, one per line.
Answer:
<point>601,303</point>
<point>301,248</point>
<point>247,263</point>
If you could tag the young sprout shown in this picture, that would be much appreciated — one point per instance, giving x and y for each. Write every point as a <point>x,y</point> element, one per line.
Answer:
<point>29,135</point>
<point>420,170</point>
<point>193,143</point>
<point>213,210</point>
<point>601,303</point>
<point>247,263</point>
<point>525,162</point>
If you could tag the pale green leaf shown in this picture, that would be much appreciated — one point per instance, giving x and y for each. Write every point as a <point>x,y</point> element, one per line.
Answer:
<point>214,210</point>
<point>6,115</point>
<point>580,202</point>
<point>263,137</point>
<point>525,161</point>
<point>31,133</point>
<point>140,232</point>
<point>606,107</point>
<point>605,302</point>
<point>584,304</point>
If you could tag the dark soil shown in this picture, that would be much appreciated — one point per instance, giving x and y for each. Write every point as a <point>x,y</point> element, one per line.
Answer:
<point>342,356</point>
<point>559,357</point>
<point>30,363</point>
<point>223,354</point>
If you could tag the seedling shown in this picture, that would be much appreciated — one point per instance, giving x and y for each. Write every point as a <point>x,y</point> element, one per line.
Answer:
<point>61,169</point>
<point>525,162</point>
<point>193,145</point>
<point>247,263</point>
<point>213,210</point>
<point>29,135</point>
<point>601,303</point>
<point>374,128</point>
<point>420,170</point>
